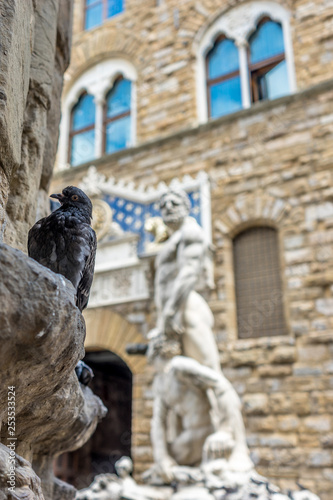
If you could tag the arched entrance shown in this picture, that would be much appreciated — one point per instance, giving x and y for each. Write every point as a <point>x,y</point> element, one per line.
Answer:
<point>115,379</point>
<point>112,382</point>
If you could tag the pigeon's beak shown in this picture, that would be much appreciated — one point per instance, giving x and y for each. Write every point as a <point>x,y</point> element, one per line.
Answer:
<point>59,197</point>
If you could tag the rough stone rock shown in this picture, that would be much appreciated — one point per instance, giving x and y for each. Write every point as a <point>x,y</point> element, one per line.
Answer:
<point>27,483</point>
<point>42,334</point>
<point>62,490</point>
<point>35,48</point>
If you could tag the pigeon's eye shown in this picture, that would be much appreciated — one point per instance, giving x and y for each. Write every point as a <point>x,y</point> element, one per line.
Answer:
<point>75,197</point>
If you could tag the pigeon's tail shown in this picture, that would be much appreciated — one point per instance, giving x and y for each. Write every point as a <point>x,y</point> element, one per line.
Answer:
<point>81,300</point>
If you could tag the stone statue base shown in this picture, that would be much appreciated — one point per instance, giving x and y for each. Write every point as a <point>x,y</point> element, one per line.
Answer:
<point>205,483</point>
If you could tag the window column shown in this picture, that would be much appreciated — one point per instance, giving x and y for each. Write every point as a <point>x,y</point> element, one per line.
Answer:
<point>244,73</point>
<point>99,100</point>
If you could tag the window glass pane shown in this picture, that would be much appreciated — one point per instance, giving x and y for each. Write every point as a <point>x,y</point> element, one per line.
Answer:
<point>83,112</point>
<point>225,97</point>
<point>223,59</point>
<point>94,15</point>
<point>119,99</point>
<point>118,134</point>
<point>275,82</point>
<point>83,147</point>
<point>266,42</point>
<point>114,7</point>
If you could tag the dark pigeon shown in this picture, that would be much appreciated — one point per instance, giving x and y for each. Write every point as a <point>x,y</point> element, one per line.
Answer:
<point>84,373</point>
<point>66,243</point>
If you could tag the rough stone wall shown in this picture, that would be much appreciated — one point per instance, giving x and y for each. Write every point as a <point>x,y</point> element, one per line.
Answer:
<point>41,330</point>
<point>35,47</point>
<point>42,334</point>
<point>272,162</point>
<point>159,38</point>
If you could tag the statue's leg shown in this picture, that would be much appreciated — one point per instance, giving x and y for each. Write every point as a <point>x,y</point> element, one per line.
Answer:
<point>230,406</point>
<point>198,339</point>
<point>186,449</point>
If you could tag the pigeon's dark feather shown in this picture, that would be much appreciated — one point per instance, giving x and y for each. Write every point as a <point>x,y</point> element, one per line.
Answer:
<point>66,243</point>
<point>87,275</point>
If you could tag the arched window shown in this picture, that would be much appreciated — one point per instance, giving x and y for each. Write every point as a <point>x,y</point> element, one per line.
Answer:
<point>258,284</point>
<point>96,11</point>
<point>244,56</point>
<point>223,80</point>
<point>82,132</point>
<point>267,65</point>
<point>117,117</point>
<point>99,110</point>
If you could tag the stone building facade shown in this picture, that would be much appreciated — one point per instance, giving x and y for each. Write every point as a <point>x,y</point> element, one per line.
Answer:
<point>269,167</point>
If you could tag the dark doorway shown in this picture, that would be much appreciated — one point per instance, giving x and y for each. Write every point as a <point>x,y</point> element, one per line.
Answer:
<point>112,439</point>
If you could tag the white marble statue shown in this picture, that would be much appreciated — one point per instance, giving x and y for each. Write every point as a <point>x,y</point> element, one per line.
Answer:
<point>197,433</point>
<point>121,486</point>
<point>210,417</point>
<point>180,265</point>
<point>197,416</point>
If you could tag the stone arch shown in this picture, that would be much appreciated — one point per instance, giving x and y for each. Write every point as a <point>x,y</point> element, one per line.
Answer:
<point>75,73</point>
<point>249,210</point>
<point>108,330</point>
<point>105,45</point>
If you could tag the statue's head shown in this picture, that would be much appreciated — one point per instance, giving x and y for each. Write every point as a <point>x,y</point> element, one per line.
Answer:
<point>175,205</point>
<point>124,466</point>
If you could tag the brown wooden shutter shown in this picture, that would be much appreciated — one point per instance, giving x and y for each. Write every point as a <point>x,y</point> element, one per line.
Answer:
<point>258,285</point>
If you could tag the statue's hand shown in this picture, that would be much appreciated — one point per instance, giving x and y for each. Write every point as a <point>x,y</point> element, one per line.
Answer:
<point>165,467</point>
<point>218,445</point>
<point>172,323</point>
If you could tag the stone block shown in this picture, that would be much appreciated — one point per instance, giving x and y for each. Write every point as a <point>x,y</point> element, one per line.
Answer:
<point>287,423</point>
<point>245,358</point>
<point>299,256</point>
<point>262,424</point>
<point>325,306</point>
<point>255,404</point>
<point>142,453</point>
<point>279,441</point>
<point>274,371</point>
<point>320,458</point>
<point>280,403</point>
<point>317,424</point>
<point>283,354</point>
<point>312,353</point>
<point>303,370</point>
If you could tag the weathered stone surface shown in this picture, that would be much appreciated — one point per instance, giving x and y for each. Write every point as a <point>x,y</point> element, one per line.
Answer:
<point>35,53</point>
<point>27,483</point>
<point>42,334</point>
<point>63,491</point>
<point>255,404</point>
